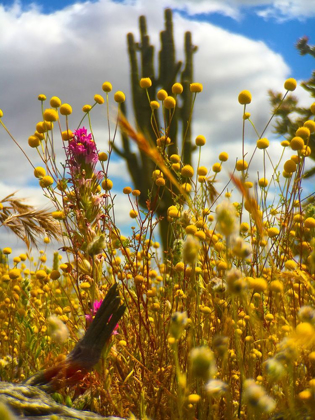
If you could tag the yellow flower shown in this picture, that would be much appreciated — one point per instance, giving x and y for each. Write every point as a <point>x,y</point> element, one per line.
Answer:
<point>310,124</point>
<point>216,167</point>
<point>193,398</point>
<point>223,156</point>
<point>1,113</point>
<point>86,108</point>
<point>285,143</point>
<point>46,240</point>
<point>200,140</point>
<point>55,102</point>
<point>169,102</point>
<point>246,115</point>
<point>133,214</point>
<point>187,187</point>
<point>40,136</point>
<point>175,158</point>
<point>160,182</point>
<point>245,97</point>
<point>33,141</point>
<point>145,83</point>
<point>312,108</point>
<point>127,190</point>
<point>99,99</point>
<point>290,84</point>
<point>102,157</point>
<point>107,87</point>
<point>154,105</point>
<point>50,115</point>
<point>136,193</point>
<point>202,170</point>
<point>248,184</point>
<point>162,95</point>
<point>41,275</point>
<point>65,109</point>
<point>173,211</point>
<point>39,172</point>
<point>276,286</point>
<point>241,165</point>
<point>107,184</point>
<point>14,273</point>
<point>262,143</point>
<point>297,143</point>
<point>58,215</point>
<point>272,232</point>
<point>263,182</point>
<point>196,87</point>
<point>289,166</point>
<point>119,97</point>
<point>67,135</point>
<point>42,97</point>
<point>47,181</point>
<point>177,88</point>
<point>303,132</point>
<point>257,284</point>
<point>7,251</point>
<point>309,223</point>
<point>290,265</point>
<point>187,171</point>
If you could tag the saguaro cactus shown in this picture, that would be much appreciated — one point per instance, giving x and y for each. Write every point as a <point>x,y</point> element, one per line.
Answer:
<point>139,165</point>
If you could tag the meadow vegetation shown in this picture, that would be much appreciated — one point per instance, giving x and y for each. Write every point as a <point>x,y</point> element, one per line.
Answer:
<point>220,323</point>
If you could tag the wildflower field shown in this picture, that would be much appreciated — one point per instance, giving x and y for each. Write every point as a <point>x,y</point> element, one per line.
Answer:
<point>219,320</point>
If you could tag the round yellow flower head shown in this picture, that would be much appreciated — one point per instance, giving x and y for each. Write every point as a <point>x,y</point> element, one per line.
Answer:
<point>309,223</point>
<point>262,143</point>
<point>306,151</point>
<point>289,166</point>
<point>245,97</point>
<point>39,172</point>
<point>1,113</point>
<point>193,398</point>
<point>216,167</point>
<point>200,140</point>
<point>67,135</point>
<point>58,215</point>
<point>161,95</point>
<point>223,156</point>
<point>33,141</point>
<point>241,165</point>
<point>312,108</point>
<point>154,105</point>
<point>145,82</point>
<point>47,181</point>
<point>46,240</point>
<point>7,251</point>
<point>50,115</point>
<point>107,184</point>
<point>246,115</point>
<point>42,97</point>
<point>127,190</point>
<point>285,143</point>
<point>303,132</point>
<point>187,187</point>
<point>196,87</point>
<point>272,232</point>
<point>297,143</point>
<point>99,99</point>
<point>107,87</point>
<point>290,84</point>
<point>263,182</point>
<point>175,158</point>
<point>40,136</point>
<point>133,214</point>
<point>187,171</point>
<point>55,102</point>
<point>177,88</point>
<point>119,97</point>
<point>160,182</point>
<point>136,193</point>
<point>65,109</point>
<point>290,265</point>
<point>310,124</point>
<point>169,102</point>
<point>86,108</point>
<point>102,157</point>
<point>202,170</point>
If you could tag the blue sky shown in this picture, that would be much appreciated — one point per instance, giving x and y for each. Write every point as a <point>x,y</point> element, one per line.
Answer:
<point>280,35</point>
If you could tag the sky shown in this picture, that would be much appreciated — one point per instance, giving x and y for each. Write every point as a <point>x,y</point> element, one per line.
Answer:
<point>68,49</point>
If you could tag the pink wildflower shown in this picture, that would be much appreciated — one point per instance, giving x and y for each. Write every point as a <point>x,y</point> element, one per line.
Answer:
<point>96,306</point>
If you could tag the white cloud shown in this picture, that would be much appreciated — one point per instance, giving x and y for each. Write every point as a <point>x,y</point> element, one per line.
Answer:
<point>277,9</point>
<point>70,53</point>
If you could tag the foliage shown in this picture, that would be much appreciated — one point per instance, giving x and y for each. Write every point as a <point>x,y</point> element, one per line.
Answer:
<point>222,325</point>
